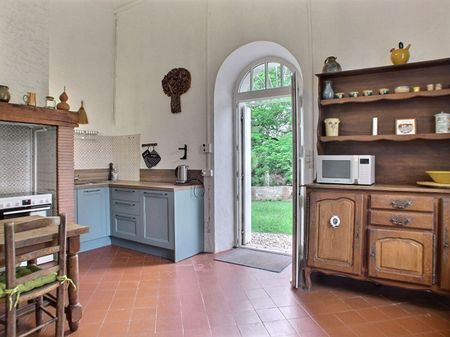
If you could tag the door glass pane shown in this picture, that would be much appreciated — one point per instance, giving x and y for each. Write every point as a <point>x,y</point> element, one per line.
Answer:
<point>245,84</point>
<point>286,77</point>
<point>259,77</point>
<point>274,75</point>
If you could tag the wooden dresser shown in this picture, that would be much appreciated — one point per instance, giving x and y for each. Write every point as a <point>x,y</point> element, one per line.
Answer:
<point>389,234</point>
<point>393,232</point>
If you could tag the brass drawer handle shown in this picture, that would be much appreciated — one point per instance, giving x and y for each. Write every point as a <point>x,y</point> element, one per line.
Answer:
<point>401,204</point>
<point>400,221</point>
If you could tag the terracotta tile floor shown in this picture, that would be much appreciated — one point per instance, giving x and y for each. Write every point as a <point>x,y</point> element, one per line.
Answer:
<point>128,294</point>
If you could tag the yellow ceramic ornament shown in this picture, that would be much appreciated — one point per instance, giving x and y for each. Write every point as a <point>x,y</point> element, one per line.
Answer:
<point>400,55</point>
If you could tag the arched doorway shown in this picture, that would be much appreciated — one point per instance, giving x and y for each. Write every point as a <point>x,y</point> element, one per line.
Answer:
<point>264,96</point>
<point>221,194</point>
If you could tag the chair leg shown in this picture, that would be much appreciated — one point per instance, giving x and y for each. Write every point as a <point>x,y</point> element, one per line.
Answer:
<point>11,318</point>
<point>37,310</point>
<point>60,311</point>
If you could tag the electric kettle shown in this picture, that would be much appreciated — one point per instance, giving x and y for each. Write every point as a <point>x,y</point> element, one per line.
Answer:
<point>181,172</point>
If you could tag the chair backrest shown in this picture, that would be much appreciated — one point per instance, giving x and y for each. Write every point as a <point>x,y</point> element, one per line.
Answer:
<point>27,252</point>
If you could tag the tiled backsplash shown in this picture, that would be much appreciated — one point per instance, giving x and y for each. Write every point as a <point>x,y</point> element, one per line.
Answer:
<point>98,151</point>
<point>46,161</point>
<point>16,164</point>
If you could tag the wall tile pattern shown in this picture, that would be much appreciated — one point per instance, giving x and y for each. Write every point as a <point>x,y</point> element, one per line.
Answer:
<point>16,159</point>
<point>126,156</point>
<point>98,151</point>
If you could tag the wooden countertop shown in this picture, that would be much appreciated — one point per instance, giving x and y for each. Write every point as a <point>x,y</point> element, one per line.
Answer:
<point>144,185</point>
<point>381,188</point>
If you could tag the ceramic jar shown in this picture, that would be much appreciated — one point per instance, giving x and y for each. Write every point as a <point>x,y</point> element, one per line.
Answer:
<point>5,96</point>
<point>332,127</point>
<point>442,121</point>
<point>328,92</point>
<point>330,65</point>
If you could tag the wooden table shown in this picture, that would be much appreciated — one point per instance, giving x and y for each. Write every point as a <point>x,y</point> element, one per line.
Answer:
<point>43,237</point>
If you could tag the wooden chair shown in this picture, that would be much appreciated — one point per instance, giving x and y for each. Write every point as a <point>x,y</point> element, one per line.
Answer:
<point>52,275</point>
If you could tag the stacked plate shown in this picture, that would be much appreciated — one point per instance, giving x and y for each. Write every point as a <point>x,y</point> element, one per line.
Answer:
<point>441,179</point>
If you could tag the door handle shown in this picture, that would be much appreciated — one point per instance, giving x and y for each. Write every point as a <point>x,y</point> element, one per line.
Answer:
<point>91,191</point>
<point>125,217</point>
<point>155,193</point>
<point>124,203</point>
<point>127,191</point>
<point>335,221</point>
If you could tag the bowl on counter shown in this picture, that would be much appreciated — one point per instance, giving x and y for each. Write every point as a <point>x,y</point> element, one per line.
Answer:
<point>440,177</point>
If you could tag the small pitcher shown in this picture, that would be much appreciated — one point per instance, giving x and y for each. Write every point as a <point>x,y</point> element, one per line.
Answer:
<point>30,98</point>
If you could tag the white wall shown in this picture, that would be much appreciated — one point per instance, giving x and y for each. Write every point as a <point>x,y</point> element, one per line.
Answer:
<point>24,53</point>
<point>82,58</point>
<point>154,37</point>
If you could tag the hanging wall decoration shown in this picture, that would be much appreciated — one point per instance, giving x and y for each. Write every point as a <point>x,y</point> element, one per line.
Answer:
<point>175,83</point>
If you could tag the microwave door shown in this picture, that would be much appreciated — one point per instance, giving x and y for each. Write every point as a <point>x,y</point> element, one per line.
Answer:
<point>336,171</point>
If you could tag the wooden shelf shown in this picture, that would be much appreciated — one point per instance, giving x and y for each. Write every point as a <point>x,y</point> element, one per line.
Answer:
<point>36,115</point>
<point>388,97</point>
<point>394,138</point>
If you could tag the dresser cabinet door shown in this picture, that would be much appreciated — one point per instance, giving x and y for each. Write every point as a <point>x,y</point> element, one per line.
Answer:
<point>335,238</point>
<point>444,245</point>
<point>401,255</point>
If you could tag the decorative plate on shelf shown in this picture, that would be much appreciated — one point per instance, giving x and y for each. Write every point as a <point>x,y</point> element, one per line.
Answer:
<point>432,184</point>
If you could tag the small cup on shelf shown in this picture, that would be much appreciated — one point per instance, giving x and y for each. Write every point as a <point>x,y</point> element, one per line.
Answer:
<point>368,92</point>
<point>339,95</point>
<point>383,91</point>
<point>430,87</point>
<point>438,86</point>
<point>353,94</point>
<point>416,89</point>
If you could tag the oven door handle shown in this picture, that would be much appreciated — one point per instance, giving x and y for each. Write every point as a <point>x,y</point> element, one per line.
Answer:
<point>28,210</point>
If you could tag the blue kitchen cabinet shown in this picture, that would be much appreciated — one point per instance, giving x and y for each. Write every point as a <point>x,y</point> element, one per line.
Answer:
<point>92,206</point>
<point>157,219</point>
<point>163,223</point>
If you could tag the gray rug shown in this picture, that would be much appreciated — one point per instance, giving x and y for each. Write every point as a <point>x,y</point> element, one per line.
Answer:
<point>256,259</point>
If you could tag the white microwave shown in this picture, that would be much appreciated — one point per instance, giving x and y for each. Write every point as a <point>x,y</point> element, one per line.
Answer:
<point>357,170</point>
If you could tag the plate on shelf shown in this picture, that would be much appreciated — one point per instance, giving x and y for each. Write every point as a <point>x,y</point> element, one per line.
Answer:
<point>432,184</point>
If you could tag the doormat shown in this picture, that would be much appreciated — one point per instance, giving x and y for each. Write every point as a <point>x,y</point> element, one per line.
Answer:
<point>256,259</point>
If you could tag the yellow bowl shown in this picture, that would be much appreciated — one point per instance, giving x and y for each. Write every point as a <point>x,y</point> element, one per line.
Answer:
<point>441,177</point>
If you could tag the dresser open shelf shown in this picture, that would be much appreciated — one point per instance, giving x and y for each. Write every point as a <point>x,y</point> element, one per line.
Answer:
<point>392,138</point>
<point>400,159</point>
<point>387,97</point>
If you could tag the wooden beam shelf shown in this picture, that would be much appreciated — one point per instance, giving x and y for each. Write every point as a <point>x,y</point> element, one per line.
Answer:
<point>387,97</point>
<point>394,138</point>
<point>36,115</point>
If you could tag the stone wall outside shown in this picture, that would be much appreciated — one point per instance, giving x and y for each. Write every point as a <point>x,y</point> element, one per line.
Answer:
<point>271,193</point>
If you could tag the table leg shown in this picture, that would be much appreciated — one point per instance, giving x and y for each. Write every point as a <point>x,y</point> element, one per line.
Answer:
<point>74,309</point>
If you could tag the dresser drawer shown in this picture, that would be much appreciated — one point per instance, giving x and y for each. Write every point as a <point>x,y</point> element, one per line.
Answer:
<point>128,207</point>
<point>402,202</point>
<point>118,193</point>
<point>402,219</point>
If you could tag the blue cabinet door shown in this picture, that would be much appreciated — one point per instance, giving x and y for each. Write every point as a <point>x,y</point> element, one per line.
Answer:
<point>158,219</point>
<point>93,211</point>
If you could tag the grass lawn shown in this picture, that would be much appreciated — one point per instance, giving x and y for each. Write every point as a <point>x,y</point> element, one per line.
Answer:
<point>272,217</point>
